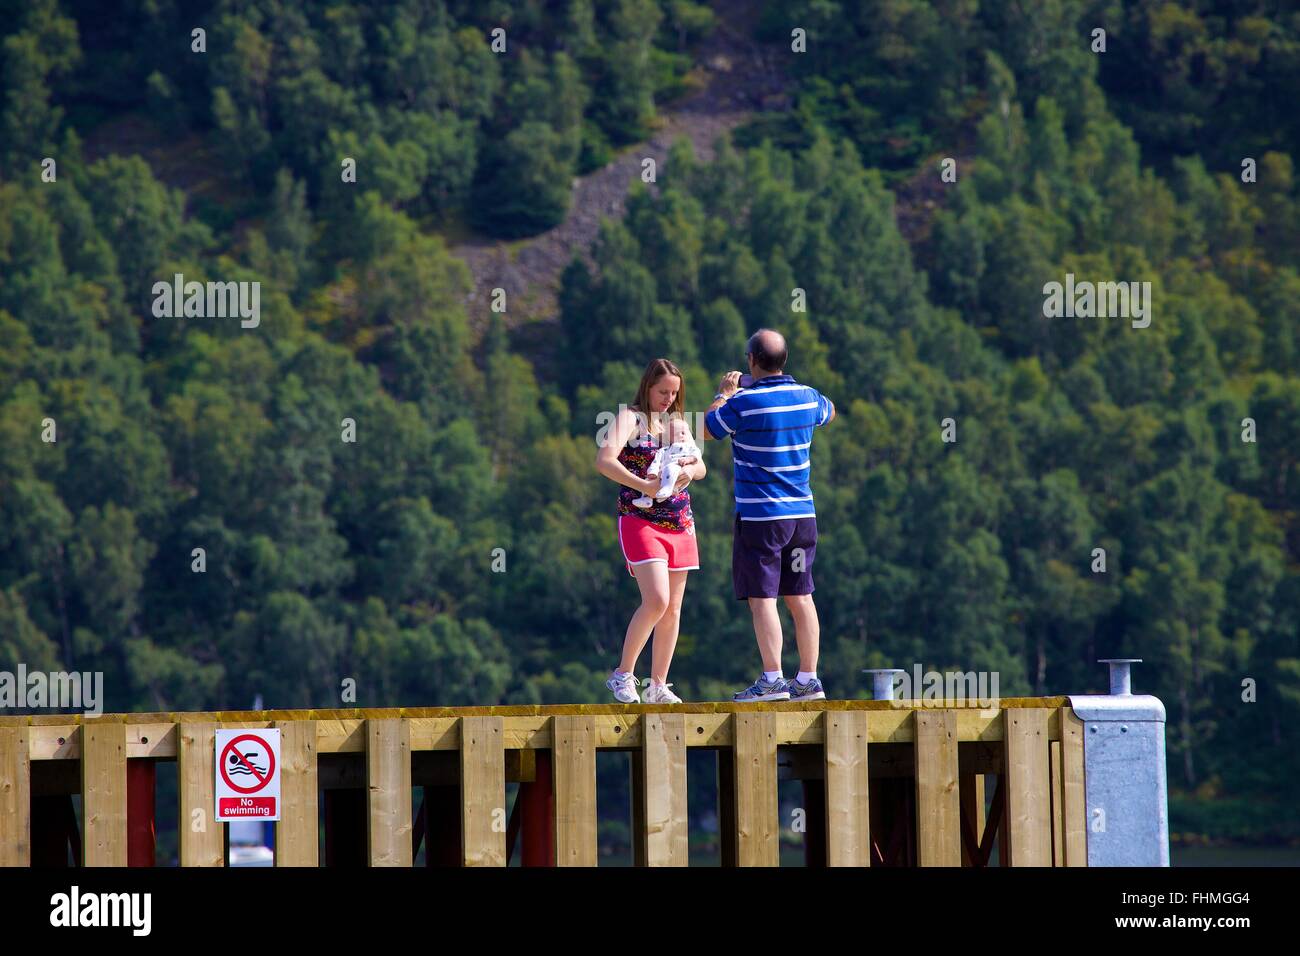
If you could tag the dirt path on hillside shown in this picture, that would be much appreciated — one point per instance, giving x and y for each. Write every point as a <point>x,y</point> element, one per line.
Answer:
<point>740,77</point>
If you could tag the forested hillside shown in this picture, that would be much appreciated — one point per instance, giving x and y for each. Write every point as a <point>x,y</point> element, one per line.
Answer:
<point>327,559</point>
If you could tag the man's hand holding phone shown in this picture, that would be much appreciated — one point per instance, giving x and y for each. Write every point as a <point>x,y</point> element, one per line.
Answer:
<point>731,382</point>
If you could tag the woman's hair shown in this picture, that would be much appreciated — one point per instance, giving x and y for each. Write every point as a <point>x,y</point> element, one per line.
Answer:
<point>656,370</point>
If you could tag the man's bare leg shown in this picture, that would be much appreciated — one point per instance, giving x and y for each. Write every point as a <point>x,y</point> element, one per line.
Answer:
<point>807,629</point>
<point>767,629</point>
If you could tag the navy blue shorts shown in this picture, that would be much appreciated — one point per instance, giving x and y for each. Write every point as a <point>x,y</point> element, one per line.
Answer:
<point>771,558</point>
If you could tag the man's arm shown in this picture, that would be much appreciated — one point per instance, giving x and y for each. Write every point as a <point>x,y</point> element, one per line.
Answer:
<point>726,388</point>
<point>828,409</point>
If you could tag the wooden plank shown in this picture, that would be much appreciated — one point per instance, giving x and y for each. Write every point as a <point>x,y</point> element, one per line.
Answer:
<point>1054,797</point>
<point>1074,815</point>
<point>103,793</point>
<point>297,833</point>
<point>1028,824</point>
<point>975,724</point>
<point>483,791</point>
<point>156,740</point>
<point>664,789</point>
<point>848,805</point>
<point>972,810</point>
<point>62,742</point>
<point>938,798</point>
<point>525,727</point>
<point>201,837</point>
<point>575,790</point>
<point>892,726</point>
<point>435,733</point>
<point>622,732</point>
<point>340,736</point>
<point>388,792</point>
<point>708,730</point>
<point>532,733</point>
<point>757,831</point>
<point>800,727</point>
<point>15,797</point>
<point>521,766</point>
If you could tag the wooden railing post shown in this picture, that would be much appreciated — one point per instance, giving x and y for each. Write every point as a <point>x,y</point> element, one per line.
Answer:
<point>15,797</point>
<point>297,833</point>
<point>848,803</point>
<point>574,746</point>
<point>757,832</point>
<point>938,801</point>
<point>201,836</point>
<point>388,791</point>
<point>103,792</point>
<point>1074,813</point>
<point>1028,828</point>
<point>482,791</point>
<point>663,753</point>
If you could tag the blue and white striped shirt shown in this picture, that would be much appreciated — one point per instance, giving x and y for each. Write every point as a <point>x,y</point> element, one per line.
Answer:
<point>770,425</point>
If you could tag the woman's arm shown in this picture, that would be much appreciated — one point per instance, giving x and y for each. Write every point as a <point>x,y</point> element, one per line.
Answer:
<point>607,462</point>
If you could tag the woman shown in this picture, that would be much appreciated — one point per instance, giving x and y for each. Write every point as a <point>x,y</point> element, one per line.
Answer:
<point>658,542</point>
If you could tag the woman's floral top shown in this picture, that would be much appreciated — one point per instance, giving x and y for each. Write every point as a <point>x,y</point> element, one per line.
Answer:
<point>671,514</point>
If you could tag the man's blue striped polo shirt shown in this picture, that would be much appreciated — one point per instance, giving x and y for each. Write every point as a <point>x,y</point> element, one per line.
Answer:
<point>770,425</point>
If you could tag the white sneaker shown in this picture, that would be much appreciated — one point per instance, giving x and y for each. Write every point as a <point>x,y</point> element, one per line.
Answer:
<point>624,688</point>
<point>659,694</point>
<point>645,501</point>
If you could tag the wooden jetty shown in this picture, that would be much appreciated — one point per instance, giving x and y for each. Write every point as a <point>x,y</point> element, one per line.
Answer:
<point>885,783</point>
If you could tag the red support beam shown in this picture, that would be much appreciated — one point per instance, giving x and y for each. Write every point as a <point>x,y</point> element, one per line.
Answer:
<point>141,841</point>
<point>537,815</point>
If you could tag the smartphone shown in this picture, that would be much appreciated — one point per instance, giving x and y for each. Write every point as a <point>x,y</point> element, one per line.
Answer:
<point>746,380</point>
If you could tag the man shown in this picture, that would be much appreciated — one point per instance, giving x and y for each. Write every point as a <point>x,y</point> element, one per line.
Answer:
<point>770,423</point>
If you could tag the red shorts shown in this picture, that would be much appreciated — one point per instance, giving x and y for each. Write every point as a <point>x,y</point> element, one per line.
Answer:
<point>644,541</point>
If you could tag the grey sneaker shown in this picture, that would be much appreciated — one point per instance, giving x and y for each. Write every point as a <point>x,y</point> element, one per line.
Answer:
<point>763,689</point>
<point>624,688</point>
<point>812,690</point>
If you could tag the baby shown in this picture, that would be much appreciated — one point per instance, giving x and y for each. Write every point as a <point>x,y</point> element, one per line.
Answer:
<point>665,464</point>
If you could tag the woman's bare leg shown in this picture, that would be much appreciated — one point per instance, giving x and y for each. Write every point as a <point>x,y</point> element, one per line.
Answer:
<point>652,579</point>
<point>667,628</point>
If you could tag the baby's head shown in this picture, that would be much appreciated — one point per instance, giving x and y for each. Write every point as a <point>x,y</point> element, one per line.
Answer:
<point>677,431</point>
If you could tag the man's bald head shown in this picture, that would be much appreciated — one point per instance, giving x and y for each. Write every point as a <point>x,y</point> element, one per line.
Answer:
<point>767,350</point>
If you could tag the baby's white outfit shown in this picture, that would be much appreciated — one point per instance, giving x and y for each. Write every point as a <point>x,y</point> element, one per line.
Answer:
<point>665,465</point>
